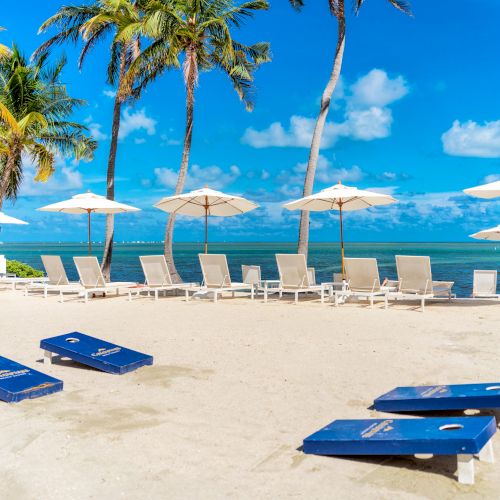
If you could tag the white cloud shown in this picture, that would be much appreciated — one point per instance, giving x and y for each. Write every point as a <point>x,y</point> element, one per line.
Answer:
<point>366,116</point>
<point>136,120</point>
<point>139,140</point>
<point>95,129</point>
<point>471,139</point>
<point>109,93</point>
<point>166,140</point>
<point>197,177</point>
<point>377,89</point>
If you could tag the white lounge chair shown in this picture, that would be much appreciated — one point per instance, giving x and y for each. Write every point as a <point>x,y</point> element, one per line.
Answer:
<point>158,278</point>
<point>294,277</point>
<point>363,281</point>
<point>485,285</point>
<point>57,279</point>
<point>252,275</point>
<point>415,280</point>
<point>216,277</point>
<point>93,281</point>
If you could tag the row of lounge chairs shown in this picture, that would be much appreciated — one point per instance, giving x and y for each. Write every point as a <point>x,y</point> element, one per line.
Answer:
<point>362,280</point>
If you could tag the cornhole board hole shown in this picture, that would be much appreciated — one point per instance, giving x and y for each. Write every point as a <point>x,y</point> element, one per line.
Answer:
<point>18,382</point>
<point>466,437</point>
<point>440,397</point>
<point>97,353</point>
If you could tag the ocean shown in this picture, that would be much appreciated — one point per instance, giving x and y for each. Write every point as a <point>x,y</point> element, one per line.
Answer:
<point>450,261</point>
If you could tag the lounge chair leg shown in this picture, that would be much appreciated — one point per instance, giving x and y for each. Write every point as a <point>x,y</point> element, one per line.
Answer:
<point>336,302</point>
<point>386,302</point>
<point>265,295</point>
<point>215,297</point>
<point>422,303</point>
<point>156,294</point>
<point>296,297</point>
<point>371,302</point>
<point>322,295</point>
<point>465,469</point>
<point>86,297</point>
<point>47,356</point>
<point>186,295</point>
<point>252,293</point>
<point>486,454</point>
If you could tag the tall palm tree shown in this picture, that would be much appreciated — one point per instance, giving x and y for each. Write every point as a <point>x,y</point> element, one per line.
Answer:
<point>337,9</point>
<point>92,24</point>
<point>198,32</point>
<point>34,121</point>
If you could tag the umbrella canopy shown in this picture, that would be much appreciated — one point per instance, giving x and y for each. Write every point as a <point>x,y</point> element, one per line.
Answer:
<point>7,219</point>
<point>341,198</point>
<point>205,202</point>
<point>492,234</point>
<point>488,191</point>
<point>89,203</point>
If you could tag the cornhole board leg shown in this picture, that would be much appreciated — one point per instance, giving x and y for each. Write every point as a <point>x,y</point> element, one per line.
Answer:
<point>47,356</point>
<point>465,469</point>
<point>486,454</point>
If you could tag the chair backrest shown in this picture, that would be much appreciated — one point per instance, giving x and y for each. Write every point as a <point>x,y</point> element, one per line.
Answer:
<point>155,270</point>
<point>311,275</point>
<point>55,270</point>
<point>292,269</point>
<point>251,274</point>
<point>215,270</point>
<point>89,272</point>
<point>3,266</point>
<point>414,273</point>
<point>485,283</point>
<point>362,274</point>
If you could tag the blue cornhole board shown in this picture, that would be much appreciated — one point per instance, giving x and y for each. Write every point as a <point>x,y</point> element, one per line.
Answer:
<point>18,382</point>
<point>97,353</point>
<point>440,397</point>
<point>439,436</point>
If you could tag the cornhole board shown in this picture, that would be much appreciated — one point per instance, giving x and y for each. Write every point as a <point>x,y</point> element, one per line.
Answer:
<point>440,397</point>
<point>465,437</point>
<point>18,382</point>
<point>97,353</point>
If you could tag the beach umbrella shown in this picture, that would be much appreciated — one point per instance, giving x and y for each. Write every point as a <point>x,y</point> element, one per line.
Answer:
<point>7,219</point>
<point>342,198</point>
<point>88,203</point>
<point>492,234</point>
<point>488,191</point>
<point>205,202</point>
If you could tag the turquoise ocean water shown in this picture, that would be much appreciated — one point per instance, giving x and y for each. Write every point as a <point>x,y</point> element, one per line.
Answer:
<point>450,261</point>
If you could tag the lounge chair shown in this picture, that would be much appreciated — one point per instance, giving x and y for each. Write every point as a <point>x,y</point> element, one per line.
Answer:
<point>415,280</point>
<point>216,277</point>
<point>57,279</point>
<point>294,277</point>
<point>252,275</point>
<point>158,278</point>
<point>485,285</point>
<point>363,281</point>
<point>93,281</point>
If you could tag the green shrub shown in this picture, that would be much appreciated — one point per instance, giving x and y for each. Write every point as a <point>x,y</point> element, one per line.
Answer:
<point>22,270</point>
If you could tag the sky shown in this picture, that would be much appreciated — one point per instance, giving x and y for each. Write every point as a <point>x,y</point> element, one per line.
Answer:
<point>416,114</point>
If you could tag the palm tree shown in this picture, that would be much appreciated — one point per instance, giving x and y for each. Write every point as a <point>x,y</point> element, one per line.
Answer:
<point>34,121</point>
<point>337,9</point>
<point>200,33</point>
<point>92,24</point>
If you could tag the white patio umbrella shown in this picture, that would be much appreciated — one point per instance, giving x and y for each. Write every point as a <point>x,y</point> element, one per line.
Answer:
<point>89,203</point>
<point>342,198</point>
<point>205,202</point>
<point>488,191</point>
<point>492,234</point>
<point>7,219</point>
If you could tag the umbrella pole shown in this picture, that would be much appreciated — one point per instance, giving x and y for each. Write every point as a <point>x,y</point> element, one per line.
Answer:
<point>342,241</point>
<point>89,235</point>
<point>206,226</point>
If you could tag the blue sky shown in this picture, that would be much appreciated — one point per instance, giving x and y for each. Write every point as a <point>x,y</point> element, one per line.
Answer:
<point>416,115</point>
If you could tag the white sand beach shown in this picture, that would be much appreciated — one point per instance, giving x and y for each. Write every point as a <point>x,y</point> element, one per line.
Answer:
<point>234,389</point>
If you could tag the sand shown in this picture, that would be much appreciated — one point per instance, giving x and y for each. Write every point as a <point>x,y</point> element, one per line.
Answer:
<point>235,388</point>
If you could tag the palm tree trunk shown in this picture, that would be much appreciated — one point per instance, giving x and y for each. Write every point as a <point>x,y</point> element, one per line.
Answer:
<point>318,133</point>
<point>110,176</point>
<point>9,167</point>
<point>188,134</point>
